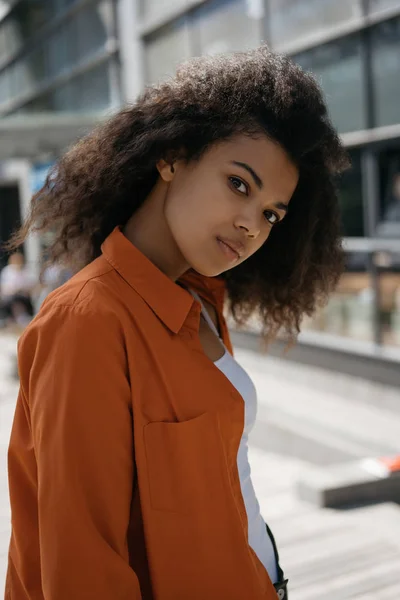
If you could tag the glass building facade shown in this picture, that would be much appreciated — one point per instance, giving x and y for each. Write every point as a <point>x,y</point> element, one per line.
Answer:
<point>71,56</point>
<point>57,56</point>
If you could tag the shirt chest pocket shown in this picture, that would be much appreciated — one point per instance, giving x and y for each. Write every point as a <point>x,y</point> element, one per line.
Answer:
<point>185,464</point>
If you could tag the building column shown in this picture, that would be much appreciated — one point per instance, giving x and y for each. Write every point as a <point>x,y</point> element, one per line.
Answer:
<point>370,194</point>
<point>131,49</point>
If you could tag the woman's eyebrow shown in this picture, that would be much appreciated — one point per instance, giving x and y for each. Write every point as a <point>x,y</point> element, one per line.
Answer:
<point>282,206</point>
<point>252,172</point>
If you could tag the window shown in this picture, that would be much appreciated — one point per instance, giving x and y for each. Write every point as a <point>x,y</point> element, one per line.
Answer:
<point>87,93</point>
<point>292,20</point>
<point>29,71</point>
<point>227,25</point>
<point>350,311</point>
<point>379,5</point>
<point>38,105</point>
<point>166,49</point>
<point>350,198</point>
<point>23,21</point>
<point>5,91</point>
<point>218,26</point>
<point>339,69</point>
<point>150,8</point>
<point>78,39</point>
<point>62,49</point>
<point>9,42</point>
<point>4,49</point>
<point>91,29</point>
<point>389,201</point>
<point>61,5</point>
<point>388,266</point>
<point>385,51</point>
<point>72,43</point>
<point>92,90</point>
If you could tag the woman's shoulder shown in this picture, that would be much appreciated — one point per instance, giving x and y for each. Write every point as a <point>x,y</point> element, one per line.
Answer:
<point>88,300</point>
<point>95,288</point>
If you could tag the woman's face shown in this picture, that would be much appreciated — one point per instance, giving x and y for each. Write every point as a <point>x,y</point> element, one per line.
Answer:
<point>221,209</point>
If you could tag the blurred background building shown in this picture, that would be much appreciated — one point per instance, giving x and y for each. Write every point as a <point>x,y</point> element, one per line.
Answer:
<point>65,64</point>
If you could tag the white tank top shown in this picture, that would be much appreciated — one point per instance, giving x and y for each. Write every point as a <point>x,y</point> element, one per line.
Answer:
<point>258,537</point>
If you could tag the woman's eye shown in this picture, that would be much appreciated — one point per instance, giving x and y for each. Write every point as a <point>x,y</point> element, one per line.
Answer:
<point>271,217</point>
<point>239,185</point>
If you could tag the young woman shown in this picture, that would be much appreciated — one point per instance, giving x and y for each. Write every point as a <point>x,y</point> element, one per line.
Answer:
<point>128,469</point>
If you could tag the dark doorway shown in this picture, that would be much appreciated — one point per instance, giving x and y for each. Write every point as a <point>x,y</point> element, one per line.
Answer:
<point>10,216</point>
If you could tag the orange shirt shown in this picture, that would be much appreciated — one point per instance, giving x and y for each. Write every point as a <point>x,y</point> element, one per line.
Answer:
<point>123,454</point>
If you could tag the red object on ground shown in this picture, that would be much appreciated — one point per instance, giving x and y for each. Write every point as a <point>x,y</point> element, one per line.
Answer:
<point>391,462</point>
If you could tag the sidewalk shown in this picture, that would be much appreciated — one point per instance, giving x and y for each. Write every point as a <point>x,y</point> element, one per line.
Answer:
<point>311,417</point>
<point>8,396</point>
<point>306,417</point>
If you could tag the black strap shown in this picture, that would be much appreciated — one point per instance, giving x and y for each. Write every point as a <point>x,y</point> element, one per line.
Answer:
<point>281,589</point>
<point>281,586</point>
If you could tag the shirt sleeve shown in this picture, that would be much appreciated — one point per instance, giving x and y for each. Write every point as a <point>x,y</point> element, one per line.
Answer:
<point>75,377</point>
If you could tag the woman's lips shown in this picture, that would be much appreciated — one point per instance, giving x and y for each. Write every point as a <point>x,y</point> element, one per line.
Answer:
<point>231,254</point>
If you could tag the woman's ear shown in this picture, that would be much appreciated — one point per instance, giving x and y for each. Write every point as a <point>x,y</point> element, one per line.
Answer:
<point>166,170</point>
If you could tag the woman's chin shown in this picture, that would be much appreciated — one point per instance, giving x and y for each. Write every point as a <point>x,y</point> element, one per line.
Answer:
<point>207,271</point>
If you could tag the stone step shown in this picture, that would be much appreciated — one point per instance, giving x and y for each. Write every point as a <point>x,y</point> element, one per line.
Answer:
<point>346,484</point>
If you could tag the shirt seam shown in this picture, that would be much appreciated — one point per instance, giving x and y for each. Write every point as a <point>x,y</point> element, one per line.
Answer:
<point>78,300</point>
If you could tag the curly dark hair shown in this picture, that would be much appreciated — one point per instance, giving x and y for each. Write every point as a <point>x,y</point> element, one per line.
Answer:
<point>107,175</point>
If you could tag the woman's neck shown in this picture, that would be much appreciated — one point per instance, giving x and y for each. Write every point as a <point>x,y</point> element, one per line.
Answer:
<point>148,230</point>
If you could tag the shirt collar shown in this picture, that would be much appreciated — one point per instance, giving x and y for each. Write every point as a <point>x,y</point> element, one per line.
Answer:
<point>170,302</point>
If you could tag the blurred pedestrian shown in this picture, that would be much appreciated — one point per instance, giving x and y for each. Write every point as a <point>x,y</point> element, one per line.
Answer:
<point>51,278</point>
<point>128,467</point>
<point>16,286</point>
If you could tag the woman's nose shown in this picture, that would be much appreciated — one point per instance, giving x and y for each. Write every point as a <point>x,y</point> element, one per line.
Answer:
<point>249,224</point>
